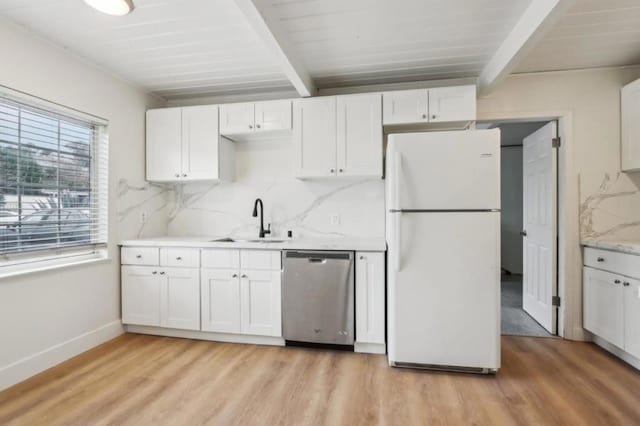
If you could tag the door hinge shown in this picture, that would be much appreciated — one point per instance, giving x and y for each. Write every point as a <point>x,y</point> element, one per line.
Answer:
<point>555,301</point>
<point>555,142</point>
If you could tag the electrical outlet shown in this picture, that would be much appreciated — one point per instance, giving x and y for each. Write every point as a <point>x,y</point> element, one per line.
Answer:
<point>335,219</point>
<point>143,217</point>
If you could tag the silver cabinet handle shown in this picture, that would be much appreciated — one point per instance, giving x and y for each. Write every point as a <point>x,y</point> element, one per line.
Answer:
<point>600,259</point>
<point>162,273</point>
<point>138,256</point>
<point>616,281</point>
<point>626,284</point>
<point>234,276</point>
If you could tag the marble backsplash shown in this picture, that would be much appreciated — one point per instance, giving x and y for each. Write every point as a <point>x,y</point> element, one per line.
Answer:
<point>610,206</point>
<point>309,208</point>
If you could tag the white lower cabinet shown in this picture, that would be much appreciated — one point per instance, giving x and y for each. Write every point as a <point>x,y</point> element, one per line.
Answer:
<point>370,298</point>
<point>260,303</point>
<point>220,300</point>
<point>604,305</point>
<point>632,317</point>
<point>161,297</point>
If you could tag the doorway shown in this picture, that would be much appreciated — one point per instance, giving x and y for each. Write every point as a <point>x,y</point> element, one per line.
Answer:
<point>528,227</point>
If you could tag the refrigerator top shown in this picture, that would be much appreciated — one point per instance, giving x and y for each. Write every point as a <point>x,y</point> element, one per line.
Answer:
<point>444,171</point>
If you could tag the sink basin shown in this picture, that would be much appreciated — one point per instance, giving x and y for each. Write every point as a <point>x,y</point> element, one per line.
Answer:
<point>237,240</point>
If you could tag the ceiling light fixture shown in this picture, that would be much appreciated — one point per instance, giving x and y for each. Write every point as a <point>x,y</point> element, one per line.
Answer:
<point>112,7</point>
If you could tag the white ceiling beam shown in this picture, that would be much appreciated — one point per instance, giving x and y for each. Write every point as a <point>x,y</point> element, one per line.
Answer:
<point>261,17</point>
<point>536,20</point>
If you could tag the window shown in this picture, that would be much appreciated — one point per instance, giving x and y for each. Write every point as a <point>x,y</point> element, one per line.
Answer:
<point>53,181</point>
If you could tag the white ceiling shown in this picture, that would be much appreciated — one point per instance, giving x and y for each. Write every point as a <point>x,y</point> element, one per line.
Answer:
<point>595,33</point>
<point>187,48</point>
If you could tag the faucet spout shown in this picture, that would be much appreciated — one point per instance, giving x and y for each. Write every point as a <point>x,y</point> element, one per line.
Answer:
<point>263,231</point>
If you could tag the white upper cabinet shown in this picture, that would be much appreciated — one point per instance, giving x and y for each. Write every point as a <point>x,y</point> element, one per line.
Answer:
<point>359,139</point>
<point>255,120</point>
<point>272,115</point>
<point>448,104</point>
<point>630,127</point>
<point>164,144</point>
<point>314,137</point>
<point>406,106</point>
<point>236,118</point>
<point>442,107</point>
<point>183,144</point>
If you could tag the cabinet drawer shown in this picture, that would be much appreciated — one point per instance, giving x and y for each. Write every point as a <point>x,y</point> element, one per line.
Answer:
<point>267,260</point>
<point>220,258</point>
<point>186,257</point>
<point>619,263</point>
<point>140,256</point>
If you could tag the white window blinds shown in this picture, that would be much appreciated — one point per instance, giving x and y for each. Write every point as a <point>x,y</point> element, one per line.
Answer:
<point>53,180</point>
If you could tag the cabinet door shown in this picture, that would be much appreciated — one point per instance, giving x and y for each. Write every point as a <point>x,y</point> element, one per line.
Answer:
<point>630,126</point>
<point>261,304</point>
<point>452,104</point>
<point>370,301</point>
<point>632,317</point>
<point>236,118</point>
<point>180,298</point>
<point>604,305</point>
<point>273,115</point>
<point>200,143</point>
<point>314,137</point>
<point>164,141</point>
<point>406,106</point>
<point>359,134</point>
<point>140,295</point>
<point>220,300</point>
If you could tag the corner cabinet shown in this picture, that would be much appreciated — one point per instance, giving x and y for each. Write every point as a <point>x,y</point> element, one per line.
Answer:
<point>611,301</point>
<point>338,136</point>
<point>630,127</point>
<point>183,144</point>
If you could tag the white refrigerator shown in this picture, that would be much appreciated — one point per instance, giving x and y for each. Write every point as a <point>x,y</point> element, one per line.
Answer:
<point>443,236</point>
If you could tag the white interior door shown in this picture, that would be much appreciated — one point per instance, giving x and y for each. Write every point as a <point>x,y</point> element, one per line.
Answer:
<point>539,221</point>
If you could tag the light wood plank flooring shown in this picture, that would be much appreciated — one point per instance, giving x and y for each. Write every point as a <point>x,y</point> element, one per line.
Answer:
<point>142,380</point>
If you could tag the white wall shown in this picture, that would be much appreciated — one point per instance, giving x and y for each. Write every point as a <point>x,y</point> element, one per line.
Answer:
<point>589,101</point>
<point>47,317</point>
<point>511,208</point>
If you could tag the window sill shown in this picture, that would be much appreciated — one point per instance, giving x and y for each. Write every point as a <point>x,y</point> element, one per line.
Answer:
<point>19,270</point>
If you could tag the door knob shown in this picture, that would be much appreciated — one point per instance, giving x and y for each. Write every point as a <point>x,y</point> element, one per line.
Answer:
<point>523,233</point>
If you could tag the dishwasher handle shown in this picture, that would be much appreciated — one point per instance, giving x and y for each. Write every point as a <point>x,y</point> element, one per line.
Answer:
<point>317,260</point>
<point>318,257</point>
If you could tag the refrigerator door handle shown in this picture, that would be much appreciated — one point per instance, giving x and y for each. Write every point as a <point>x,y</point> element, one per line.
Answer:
<point>397,160</point>
<point>397,232</point>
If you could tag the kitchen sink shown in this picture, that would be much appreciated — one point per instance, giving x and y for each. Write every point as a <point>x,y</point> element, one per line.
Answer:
<point>238,240</point>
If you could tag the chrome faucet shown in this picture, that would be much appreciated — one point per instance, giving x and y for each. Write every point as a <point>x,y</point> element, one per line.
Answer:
<point>263,231</point>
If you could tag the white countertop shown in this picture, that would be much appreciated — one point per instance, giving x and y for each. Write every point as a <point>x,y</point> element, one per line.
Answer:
<point>623,246</point>
<point>355,244</point>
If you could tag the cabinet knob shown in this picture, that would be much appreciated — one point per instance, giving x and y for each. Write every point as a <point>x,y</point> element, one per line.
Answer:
<point>424,115</point>
<point>600,259</point>
<point>341,170</point>
<point>154,272</point>
<point>178,175</point>
<point>234,276</point>
<point>361,257</point>
<point>138,256</point>
<point>434,116</point>
<point>184,175</point>
<point>244,276</point>
<point>333,170</point>
<point>162,273</point>
<point>626,284</point>
<point>616,281</point>
<point>250,126</point>
<point>257,126</point>
<point>178,258</point>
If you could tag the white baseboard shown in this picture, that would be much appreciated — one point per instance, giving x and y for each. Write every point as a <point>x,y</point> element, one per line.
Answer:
<point>370,348</point>
<point>206,335</point>
<point>626,357</point>
<point>38,362</point>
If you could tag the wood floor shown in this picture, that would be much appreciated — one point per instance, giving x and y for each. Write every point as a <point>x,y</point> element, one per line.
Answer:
<point>142,380</point>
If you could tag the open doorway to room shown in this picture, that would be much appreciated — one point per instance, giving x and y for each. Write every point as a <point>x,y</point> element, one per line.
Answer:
<point>528,227</point>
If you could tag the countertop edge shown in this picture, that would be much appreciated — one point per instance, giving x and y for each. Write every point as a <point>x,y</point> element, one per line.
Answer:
<point>302,244</point>
<point>627,247</point>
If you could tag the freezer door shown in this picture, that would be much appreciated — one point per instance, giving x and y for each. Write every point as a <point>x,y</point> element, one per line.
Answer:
<point>444,289</point>
<point>444,170</point>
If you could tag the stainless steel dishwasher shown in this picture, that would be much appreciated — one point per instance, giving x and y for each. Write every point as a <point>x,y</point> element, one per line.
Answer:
<point>318,297</point>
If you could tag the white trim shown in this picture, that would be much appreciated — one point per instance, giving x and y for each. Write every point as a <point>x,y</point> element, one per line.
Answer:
<point>370,348</point>
<point>205,335</point>
<point>625,356</point>
<point>40,361</point>
<point>50,264</point>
